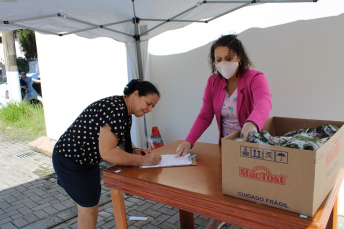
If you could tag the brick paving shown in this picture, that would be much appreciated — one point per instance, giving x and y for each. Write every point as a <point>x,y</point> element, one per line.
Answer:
<point>30,197</point>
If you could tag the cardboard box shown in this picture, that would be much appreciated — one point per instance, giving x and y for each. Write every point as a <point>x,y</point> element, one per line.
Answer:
<point>295,180</point>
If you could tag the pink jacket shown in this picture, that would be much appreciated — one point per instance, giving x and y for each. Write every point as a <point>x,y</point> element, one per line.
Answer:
<point>253,102</point>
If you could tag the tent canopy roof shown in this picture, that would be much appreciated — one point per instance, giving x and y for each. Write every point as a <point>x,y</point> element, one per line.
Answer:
<point>114,19</point>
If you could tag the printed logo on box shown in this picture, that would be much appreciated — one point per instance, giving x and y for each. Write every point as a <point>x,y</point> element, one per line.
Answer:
<point>261,173</point>
<point>264,154</point>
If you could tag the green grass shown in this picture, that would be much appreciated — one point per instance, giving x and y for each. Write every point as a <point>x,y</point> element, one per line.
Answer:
<point>24,121</point>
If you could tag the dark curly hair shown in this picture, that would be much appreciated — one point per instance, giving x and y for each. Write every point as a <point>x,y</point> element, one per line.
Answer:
<point>144,88</point>
<point>234,44</point>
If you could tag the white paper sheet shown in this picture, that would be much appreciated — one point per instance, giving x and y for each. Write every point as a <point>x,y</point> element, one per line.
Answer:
<point>170,160</point>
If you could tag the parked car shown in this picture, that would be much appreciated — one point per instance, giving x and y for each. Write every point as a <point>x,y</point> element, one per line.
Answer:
<point>35,97</point>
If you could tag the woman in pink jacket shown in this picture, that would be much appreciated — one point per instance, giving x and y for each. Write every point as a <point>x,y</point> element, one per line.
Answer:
<point>238,96</point>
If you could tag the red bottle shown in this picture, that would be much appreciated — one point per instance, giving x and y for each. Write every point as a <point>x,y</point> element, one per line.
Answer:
<point>156,140</point>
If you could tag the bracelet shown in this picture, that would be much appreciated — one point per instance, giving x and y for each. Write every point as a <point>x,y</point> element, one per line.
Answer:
<point>134,149</point>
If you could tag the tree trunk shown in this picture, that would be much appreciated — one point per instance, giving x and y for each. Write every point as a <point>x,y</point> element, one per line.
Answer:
<point>11,66</point>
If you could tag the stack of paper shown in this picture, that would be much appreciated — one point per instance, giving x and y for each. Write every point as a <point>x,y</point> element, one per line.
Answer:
<point>170,160</point>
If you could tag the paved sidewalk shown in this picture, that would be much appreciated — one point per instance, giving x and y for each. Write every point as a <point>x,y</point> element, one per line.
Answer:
<point>30,197</point>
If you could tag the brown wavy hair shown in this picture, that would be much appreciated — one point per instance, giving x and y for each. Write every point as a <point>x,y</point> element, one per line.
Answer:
<point>234,44</point>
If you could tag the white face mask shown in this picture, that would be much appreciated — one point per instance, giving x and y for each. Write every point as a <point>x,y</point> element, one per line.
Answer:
<point>227,69</point>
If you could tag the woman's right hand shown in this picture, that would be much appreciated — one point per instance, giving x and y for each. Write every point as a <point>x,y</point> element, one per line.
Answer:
<point>151,159</point>
<point>183,149</point>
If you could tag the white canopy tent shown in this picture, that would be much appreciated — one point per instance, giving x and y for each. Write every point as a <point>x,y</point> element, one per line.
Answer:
<point>123,20</point>
<point>129,21</point>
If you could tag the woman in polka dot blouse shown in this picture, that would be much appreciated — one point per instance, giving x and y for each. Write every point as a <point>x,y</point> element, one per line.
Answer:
<point>102,132</point>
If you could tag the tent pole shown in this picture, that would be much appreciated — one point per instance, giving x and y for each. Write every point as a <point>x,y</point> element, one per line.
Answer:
<point>139,59</point>
<point>139,63</point>
<point>11,66</point>
<point>138,47</point>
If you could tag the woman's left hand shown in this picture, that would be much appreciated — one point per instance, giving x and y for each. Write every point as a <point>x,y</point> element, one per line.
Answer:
<point>248,126</point>
<point>142,151</point>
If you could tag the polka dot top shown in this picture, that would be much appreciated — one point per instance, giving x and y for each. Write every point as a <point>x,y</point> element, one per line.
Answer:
<point>80,141</point>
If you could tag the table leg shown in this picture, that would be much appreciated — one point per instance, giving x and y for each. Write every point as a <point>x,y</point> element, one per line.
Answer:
<point>186,219</point>
<point>119,209</point>
<point>332,221</point>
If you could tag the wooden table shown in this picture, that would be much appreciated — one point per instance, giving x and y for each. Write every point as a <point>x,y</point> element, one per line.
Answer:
<point>197,190</point>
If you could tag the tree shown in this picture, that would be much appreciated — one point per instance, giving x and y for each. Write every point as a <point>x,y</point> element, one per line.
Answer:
<point>27,39</point>
<point>23,65</point>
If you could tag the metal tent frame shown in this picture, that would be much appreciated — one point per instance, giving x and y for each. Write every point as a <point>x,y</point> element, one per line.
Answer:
<point>139,33</point>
